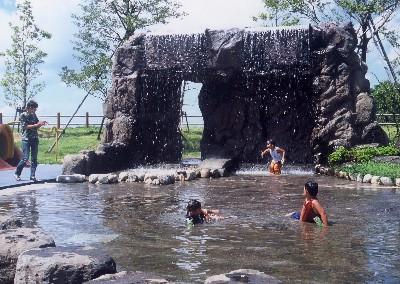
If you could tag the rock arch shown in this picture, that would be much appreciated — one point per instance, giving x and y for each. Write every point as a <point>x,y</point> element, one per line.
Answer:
<point>305,87</point>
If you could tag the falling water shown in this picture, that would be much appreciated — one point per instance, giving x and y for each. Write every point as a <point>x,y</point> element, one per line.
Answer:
<point>187,53</point>
<point>275,67</point>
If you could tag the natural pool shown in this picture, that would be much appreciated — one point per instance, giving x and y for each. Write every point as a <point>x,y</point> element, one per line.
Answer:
<point>142,227</point>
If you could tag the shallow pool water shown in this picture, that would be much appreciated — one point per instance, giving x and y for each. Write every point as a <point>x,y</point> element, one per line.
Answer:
<point>142,227</point>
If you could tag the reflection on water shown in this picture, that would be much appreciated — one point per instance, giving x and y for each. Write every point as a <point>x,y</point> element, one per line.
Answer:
<point>142,227</point>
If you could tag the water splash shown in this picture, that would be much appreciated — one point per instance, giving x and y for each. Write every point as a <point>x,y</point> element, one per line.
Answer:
<point>261,170</point>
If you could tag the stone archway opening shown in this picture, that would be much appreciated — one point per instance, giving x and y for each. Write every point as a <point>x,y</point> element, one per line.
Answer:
<point>192,122</point>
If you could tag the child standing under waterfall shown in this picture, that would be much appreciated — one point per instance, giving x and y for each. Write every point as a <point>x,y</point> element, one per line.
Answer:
<point>311,209</point>
<point>197,215</point>
<point>277,155</point>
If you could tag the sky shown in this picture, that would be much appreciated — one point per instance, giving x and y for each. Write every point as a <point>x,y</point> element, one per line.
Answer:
<point>54,16</point>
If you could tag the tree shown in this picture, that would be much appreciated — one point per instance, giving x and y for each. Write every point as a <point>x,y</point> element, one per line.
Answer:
<point>278,14</point>
<point>371,16</point>
<point>387,99</point>
<point>103,25</point>
<point>23,59</point>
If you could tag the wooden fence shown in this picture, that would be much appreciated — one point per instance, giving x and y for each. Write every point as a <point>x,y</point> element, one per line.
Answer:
<point>57,120</point>
<point>388,119</point>
<point>88,120</point>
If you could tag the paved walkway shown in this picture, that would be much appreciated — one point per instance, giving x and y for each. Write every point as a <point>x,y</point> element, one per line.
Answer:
<point>44,173</point>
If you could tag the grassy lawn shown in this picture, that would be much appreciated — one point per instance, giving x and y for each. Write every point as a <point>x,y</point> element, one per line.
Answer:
<point>373,168</point>
<point>74,140</point>
<point>191,142</point>
<point>80,138</point>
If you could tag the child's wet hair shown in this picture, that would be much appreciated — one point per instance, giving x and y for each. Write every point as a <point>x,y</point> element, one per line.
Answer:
<point>32,104</point>
<point>311,187</point>
<point>193,204</point>
<point>272,142</point>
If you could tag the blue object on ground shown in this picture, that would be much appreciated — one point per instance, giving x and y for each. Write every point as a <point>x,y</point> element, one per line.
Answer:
<point>295,215</point>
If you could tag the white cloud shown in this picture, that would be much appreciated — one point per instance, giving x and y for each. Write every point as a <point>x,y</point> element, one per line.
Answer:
<point>215,14</point>
<point>53,16</point>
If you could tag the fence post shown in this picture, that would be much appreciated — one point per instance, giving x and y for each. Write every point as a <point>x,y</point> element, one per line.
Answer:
<point>1,118</point>
<point>58,120</point>
<point>87,120</point>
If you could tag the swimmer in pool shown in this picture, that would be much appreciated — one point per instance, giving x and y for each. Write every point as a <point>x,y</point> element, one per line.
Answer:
<point>197,215</point>
<point>311,207</point>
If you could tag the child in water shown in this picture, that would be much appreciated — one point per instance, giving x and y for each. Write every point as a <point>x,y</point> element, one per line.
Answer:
<point>197,215</point>
<point>311,207</point>
<point>277,155</point>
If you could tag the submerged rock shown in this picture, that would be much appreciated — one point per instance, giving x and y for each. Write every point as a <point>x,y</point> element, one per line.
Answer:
<point>75,178</point>
<point>242,276</point>
<point>62,265</point>
<point>13,242</point>
<point>9,222</point>
<point>126,277</point>
<point>166,179</point>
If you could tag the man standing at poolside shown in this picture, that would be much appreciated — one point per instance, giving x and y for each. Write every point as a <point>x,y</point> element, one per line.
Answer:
<point>277,155</point>
<point>30,139</point>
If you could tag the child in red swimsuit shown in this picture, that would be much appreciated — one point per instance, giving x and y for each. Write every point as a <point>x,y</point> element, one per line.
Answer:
<point>311,207</point>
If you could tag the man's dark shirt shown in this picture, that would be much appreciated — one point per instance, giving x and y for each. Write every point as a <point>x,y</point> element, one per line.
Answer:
<point>25,120</point>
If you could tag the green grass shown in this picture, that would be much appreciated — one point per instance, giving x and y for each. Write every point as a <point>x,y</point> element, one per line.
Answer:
<point>374,168</point>
<point>391,132</point>
<point>73,141</point>
<point>81,138</point>
<point>191,142</point>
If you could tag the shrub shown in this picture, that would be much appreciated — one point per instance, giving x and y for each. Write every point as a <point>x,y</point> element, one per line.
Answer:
<point>360,154</point>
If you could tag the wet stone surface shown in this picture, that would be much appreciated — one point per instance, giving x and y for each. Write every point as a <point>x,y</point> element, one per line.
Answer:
<point>13,242</point>
<point>62,265</point>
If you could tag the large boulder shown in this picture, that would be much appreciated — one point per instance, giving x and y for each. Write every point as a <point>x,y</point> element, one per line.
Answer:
<point>15,241</point>
<point>62,265</point>
<point>222,165</point>
<point>374,133</point>
<point>107,157</point>
<point>75,164</point>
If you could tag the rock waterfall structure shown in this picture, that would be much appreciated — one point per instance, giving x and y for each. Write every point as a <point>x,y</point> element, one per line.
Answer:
<point>304,87</point>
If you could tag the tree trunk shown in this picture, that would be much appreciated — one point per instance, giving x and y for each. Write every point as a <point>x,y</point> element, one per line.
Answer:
<point>364,40</point>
